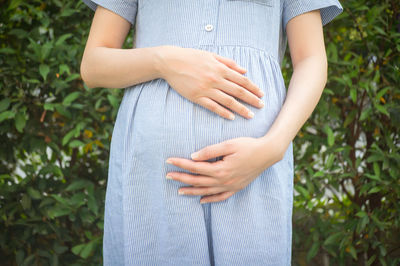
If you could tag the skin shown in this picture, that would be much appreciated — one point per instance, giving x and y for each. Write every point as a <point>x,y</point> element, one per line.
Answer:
<point>245,158</point>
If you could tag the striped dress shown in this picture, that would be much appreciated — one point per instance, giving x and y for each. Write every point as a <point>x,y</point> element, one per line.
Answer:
<point>146,222</point>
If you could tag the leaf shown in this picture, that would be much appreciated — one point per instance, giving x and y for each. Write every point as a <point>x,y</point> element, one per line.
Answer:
<point>6,115</point>
<point>313,251</point>
<point>302,191</point>
<point>87,250</point>
<point>374,190</point>
<point>113,100</point>
<point>14,4</point>
<point>33,193</point>
<point>353,94</point>
<point>77,249</point>
<point>62,39</point>
<point>350,118</point>
<point>76,143</point>
<point>331,137</point>
<point>71,97</point>
<point>76,185</point>
<point>4,104</point>
<point>20,122</point>
<point>382,109</point>
<point>44,71</point>
<point>333,239</point>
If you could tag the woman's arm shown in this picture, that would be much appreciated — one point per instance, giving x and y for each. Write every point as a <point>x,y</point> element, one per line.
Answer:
<point>105,64</point>
<point>307,50</point>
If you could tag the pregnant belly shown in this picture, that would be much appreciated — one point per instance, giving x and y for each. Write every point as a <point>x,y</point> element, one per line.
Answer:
<point>164,123</point>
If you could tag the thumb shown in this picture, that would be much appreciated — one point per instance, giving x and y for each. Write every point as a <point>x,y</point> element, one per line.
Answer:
<point>212,151</point>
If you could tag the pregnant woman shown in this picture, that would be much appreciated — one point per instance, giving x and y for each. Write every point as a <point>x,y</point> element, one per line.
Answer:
<point>201,159</point>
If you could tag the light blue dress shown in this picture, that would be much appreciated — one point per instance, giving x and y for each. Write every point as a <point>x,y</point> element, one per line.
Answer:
<point>146,222</point>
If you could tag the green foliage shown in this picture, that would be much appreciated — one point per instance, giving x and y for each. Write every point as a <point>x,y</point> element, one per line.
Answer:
<point>55,136</point>
<point>56,132</point>
<point>347,155</point>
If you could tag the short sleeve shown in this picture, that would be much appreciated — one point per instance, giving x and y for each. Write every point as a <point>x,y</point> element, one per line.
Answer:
<point>329,9</point>
<point>125,8</point>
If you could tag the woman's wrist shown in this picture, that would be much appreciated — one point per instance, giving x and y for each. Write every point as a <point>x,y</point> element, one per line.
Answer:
<point>275,141</point>
<point>161,60</point>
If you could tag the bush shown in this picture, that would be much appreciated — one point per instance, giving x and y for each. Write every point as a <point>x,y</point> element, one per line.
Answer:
<point>347,156</point>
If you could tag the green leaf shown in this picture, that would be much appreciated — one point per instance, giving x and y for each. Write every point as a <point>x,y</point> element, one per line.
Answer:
<point>333,239</point>
<point>113,100</point>
<point>76,143</point>
<point>71,97</point>
<point>374,190</point>
<point>353,94</point>
<point>44,71</point>
<point>33,193</point>
<point>6,115</point>
<point>382,109</point>
<point>87,249</point>
<point>313,251</point>
<point>62,39</point>
<point>302,191</point>
<point>77,249</point>
<point>331,137</point>
<point>76,185</point>
<point>350,118</point>
<point>4,104</point>
<point>20,122</point>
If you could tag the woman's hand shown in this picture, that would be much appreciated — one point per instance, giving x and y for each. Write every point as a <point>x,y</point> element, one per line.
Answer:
<point>209,80</point>
<point>243,160</point>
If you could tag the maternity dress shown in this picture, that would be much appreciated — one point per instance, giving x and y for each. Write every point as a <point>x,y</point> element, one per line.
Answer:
<point>146,222</point>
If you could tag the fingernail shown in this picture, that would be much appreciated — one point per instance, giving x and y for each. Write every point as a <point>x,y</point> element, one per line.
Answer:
<point>181,192</point>
<point>202,202</point>
<point>261,103</point>
<point>231,116</point>
<point>251,114</point>
<point>262,93</point>
<point>168,177</point>
<point>168,161</point>
<point>194,155</point>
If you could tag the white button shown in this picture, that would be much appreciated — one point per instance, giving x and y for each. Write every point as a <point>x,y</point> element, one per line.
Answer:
<point>209,27</point>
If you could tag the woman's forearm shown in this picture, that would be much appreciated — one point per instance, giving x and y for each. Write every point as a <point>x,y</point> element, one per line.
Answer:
<point>304,91</point>
<point>119,68</point>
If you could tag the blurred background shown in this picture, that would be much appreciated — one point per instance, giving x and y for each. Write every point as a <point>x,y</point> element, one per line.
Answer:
<point>55,137</point>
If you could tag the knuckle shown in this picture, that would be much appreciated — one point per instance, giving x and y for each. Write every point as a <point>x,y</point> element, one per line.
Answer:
<point>228,145</point>
<point>221,69</point>
<point>246,81</point>
<point>212,78</point>
<point>212,107</point>
<point>230,101</point>
<point>241,92</point>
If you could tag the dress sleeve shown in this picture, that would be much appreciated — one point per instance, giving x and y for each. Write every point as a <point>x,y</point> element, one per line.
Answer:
<point>124,8</point>
<point>329,9</point>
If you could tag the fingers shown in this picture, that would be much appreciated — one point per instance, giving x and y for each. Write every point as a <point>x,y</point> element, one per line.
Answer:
<point>239,92</point>
<point>217,197</point>
<point>244,82</point>
<point>194,180</point>
<point>215,150</point>
<point>215,107</point>
<point>198,191</point>
<point>232,103</point>
<point>230,63</point>
<point>202,168</point>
